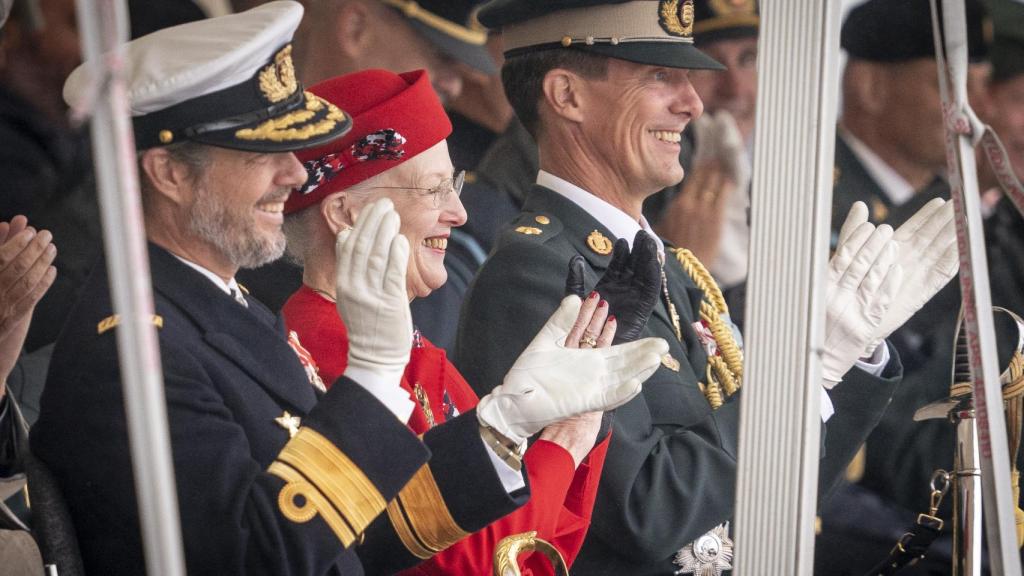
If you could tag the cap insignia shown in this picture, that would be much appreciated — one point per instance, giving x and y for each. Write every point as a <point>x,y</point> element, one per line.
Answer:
<point>599,243</point>
<point>384,144</point>
<point>676,17</point>
<point>277,79</point>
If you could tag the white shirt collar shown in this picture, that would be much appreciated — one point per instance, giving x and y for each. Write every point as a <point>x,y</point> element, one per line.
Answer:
<point>620,224</point>
<point>228,287</point>
<point>889,180</point>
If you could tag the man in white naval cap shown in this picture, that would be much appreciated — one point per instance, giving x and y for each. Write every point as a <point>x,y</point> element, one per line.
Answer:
<point>274,475</point>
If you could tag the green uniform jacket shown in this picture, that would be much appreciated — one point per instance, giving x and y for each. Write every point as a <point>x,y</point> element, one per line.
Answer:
<point>670,472</point>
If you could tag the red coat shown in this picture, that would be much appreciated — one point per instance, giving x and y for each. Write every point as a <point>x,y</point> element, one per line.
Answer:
<point>561,498</point>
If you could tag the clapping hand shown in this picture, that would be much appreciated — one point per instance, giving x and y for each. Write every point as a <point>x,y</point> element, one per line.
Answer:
<point>26,273</point>
<point>550,382</point>
<point>863,278</point>
<point>630,285</point>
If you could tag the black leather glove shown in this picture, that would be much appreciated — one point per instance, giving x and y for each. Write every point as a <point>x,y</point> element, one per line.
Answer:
<point>630,285</point>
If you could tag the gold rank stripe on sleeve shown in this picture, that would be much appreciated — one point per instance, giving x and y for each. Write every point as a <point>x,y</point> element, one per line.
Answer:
<point>421,519</point>
<point>111,322</point>
<point>330,483</point>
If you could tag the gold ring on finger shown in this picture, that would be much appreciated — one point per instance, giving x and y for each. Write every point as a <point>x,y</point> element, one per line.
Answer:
<point>589,340</point>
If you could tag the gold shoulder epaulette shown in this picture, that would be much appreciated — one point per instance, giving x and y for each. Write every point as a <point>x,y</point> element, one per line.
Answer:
<point>534,225</point>
<point>113,320</point>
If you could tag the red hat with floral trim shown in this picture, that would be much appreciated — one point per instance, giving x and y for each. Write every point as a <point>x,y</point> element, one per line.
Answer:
<point>394,118</point>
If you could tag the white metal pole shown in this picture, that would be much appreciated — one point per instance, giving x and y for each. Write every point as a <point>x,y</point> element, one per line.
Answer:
<point>777,474</point>
<point>997,496</point>
<point>103,25</point>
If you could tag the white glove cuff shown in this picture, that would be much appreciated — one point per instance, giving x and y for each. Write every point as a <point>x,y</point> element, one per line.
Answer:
<point>386,386</point>
<point>488,414</point>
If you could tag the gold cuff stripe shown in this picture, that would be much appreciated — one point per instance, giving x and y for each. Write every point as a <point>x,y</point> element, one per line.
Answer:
<point>297,485</point>
<point>331,472</point>
<point>413,10</point>
<point>405,532</point>
<point>428,517</point>
<point>726,21</point>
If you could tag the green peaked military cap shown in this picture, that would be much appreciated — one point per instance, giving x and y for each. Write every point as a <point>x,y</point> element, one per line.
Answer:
<point>725,20</point>
<point>653,32</point>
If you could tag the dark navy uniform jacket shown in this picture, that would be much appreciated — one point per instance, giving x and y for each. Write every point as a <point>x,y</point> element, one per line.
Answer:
<point>252,500</point>
<point>670,471</point>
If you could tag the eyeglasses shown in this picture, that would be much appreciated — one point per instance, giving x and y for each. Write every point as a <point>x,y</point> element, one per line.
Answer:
<point>439,193</point>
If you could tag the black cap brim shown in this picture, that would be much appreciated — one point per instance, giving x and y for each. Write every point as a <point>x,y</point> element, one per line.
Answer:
<point>473,55</point>
<point>668,54</point>
<point>288,132</point>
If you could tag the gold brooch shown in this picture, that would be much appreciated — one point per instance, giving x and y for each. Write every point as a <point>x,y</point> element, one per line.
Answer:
<point>599,243</point>
<point>676,17</point>
<point>529,230</point>
<point>277,79</point>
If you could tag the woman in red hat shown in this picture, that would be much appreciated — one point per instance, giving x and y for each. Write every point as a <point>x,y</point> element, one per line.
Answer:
<point>397,150</point>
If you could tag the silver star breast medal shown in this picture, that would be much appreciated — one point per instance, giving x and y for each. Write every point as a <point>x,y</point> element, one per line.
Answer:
<point>709,555</point>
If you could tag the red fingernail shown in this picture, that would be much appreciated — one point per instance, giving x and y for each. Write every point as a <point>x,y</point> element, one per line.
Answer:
<point>611,317</point>
<point>593,294</point>
<point>603,304</point>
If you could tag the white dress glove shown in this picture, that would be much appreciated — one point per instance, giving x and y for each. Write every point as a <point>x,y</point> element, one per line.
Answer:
<point>862,281</point>
<point>927,254</point>
<point>372,259</point>
<point>550,382</point>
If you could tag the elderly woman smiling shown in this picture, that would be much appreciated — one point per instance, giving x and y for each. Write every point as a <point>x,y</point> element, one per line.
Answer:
<point>397,150</point>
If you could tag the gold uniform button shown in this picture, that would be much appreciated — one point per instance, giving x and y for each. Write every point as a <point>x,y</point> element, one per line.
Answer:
<point>166,136</point>
<point>542,219</point>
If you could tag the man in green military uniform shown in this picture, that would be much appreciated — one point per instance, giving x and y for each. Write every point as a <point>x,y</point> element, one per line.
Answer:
<point>890,151</point>
<point>604,88</point>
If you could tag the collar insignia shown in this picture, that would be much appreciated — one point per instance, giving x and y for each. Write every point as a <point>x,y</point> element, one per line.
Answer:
<point>709,555</point>
<point>529,230</point>
<point>599,243</point>
<point>277,79</point>
<point>289,423</point>
<point>676,17</point>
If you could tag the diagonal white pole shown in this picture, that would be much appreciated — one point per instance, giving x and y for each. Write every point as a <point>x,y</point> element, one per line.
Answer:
<point>104,29</point>
<point>780,429</point>
<point>997,496</point>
